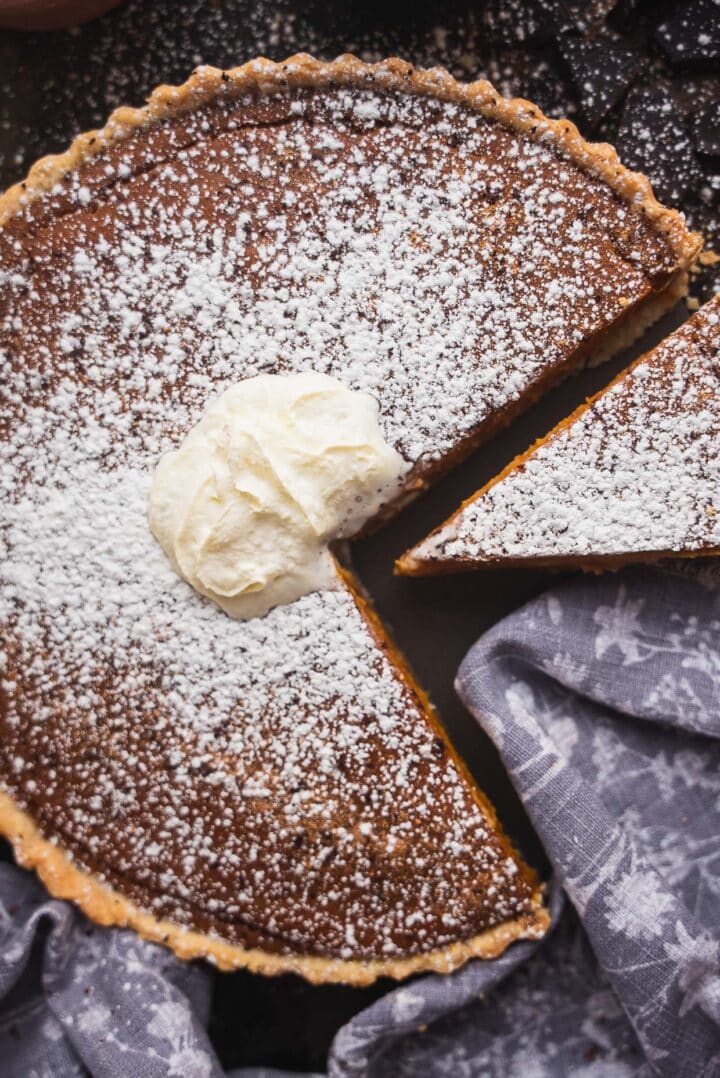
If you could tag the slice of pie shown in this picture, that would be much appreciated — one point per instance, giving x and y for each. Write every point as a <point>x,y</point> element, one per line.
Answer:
<point>632,475</point>
<point>277,793</point>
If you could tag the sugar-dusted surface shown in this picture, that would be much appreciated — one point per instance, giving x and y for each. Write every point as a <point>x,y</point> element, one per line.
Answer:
<point>272,780</point>
<point>276,782</point>
<point>636,472</point>
<point>306,232</point>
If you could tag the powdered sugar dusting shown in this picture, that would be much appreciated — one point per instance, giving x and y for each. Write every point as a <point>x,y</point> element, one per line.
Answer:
<point>230,746</point>
<point>638,472</point>
<point>329,245</point>
<point>274,781</point>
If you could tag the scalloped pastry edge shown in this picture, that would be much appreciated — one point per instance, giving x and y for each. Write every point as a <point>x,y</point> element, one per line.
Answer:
<point>55,866</point>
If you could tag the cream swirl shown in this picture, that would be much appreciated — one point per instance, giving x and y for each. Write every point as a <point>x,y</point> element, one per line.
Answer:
<point>277,467</point>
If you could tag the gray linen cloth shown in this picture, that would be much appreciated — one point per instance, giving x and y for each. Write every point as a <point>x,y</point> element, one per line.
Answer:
<point>603,697</point>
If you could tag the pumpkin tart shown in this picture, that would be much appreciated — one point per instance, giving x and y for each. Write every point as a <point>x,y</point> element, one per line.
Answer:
<point>632,475</point>
<point>278,793</point>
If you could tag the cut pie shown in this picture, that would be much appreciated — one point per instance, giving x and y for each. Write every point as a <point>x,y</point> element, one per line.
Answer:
<point>632,475</point>
<point>278,793</point>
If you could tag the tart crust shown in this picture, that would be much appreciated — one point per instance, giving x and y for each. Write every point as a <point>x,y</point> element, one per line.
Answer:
<point>303,71</point>
<point>102,904</point>
<point>63,878</point>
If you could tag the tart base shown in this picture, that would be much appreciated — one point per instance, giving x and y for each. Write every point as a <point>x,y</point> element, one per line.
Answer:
<point>61,874</point>
<point>65,880</point>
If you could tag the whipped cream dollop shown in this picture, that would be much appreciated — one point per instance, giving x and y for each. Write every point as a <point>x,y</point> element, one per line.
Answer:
<point>277,467</point>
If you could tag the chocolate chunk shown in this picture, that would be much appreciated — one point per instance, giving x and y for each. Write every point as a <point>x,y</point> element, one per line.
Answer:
<point>693,34</point>
<point>551,93</point>
<point>627,14</point>
<point>705,127</point>
<point>653,138</point>
<point>583,15</point>
<point>601,71</point>
<point>517,22</point>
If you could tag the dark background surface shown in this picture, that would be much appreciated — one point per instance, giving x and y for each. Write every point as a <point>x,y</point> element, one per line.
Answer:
<point>641,74</point>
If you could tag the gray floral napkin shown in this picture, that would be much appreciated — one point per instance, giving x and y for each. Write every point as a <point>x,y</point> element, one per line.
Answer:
<point>603,697</point>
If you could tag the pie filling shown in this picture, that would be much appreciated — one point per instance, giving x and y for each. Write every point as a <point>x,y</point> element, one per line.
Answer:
<point>279,781</point>
<point>632,475</point>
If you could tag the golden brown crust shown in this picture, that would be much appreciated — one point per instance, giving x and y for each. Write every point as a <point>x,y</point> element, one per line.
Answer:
<point>408,564</point>
<point>65,880</point>
<point>303,71</point>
